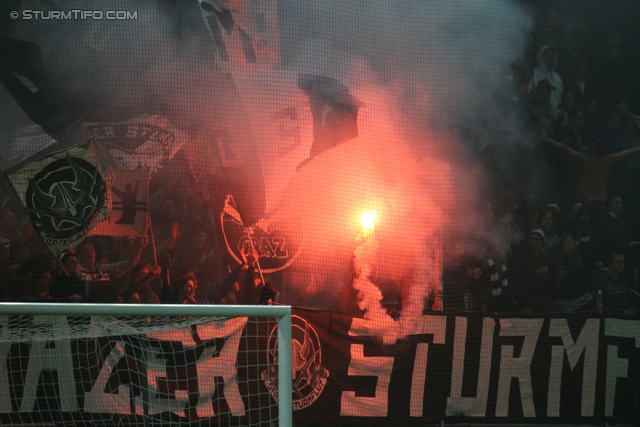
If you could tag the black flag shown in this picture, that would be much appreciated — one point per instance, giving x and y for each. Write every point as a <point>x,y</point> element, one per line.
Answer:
<point>335,113</point>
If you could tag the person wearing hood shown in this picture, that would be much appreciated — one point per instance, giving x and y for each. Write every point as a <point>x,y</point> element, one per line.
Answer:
<point>545,71</point>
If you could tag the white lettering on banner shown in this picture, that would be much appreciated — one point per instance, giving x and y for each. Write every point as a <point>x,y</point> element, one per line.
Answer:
<point>380,367</point>
<point>223,366</point>
<point>103,132</point>
<point>216,367</point>
<point>96,400</point>
<point>384,327</point>
<point>5,348</point>
<point>617,367</point>
<point>517,367</point>
<point>206,385</point>
<point>183,335</point>
<point>436,326</point>
<point>156,366</point>
<point>152,133</point>
<point>587,343</point>
<point>299,404</point>
<point>56,359</point>
<point>208,368</point>
<point>470,406</point>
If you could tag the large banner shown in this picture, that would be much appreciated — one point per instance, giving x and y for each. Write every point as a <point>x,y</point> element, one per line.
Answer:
<point>136,149</point>
<point>570,369</point>
<point>66,193</point>
<point>145,142</point>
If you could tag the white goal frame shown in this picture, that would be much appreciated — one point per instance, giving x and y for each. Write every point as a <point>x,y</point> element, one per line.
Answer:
<point>281,312</point>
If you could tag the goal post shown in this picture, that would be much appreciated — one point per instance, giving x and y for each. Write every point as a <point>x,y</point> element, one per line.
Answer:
<point>145,364</point>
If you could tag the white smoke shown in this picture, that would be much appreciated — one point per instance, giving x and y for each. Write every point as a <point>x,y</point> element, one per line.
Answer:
<point>369,296</point>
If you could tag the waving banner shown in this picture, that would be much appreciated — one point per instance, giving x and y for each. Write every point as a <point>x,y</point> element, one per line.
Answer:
<point>277,242</point>
<point>128,214</point>
<point>66,194</point>
<point>143,142</point>
<point>295,118</point>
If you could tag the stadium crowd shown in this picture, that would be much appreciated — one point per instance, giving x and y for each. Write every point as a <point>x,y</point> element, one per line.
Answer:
<point>561,232</point>
<point>562,236</point>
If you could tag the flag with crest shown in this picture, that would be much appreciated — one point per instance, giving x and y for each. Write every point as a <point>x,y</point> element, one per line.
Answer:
<point>66,193</point>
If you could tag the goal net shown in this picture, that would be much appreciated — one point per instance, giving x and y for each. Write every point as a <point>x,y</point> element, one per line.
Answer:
<point>144,365</point>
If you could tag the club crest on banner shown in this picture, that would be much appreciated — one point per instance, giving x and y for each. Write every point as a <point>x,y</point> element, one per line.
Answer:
<point>64,197</point>
<point>277,242</point>
<point>308,375</point>
<point>65,194</point>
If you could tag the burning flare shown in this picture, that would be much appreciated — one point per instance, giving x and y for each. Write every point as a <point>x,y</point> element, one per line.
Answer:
<point>369,221</point>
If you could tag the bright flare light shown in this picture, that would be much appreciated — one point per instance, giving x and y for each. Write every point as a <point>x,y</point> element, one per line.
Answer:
<point>369,221</point>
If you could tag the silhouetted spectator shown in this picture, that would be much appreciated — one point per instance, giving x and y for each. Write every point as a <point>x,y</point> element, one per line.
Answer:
<point>139,283</point>
<point>568,277</point>
<point>566,106</point>
<point>250,292</point>
<point>488,285</point>
<point>609,132</point>
<point>612,233</point>
<point>529,274</point>
<point>19,252</point>
<point>66,284</point>
<point>593,169</point>
<point>593,116</point>
<point>577,83</point>
<point>268,294</point>
<point>544,220</point>
<point>183,289</point>
<point>38,289</point>
<point>94,273</point>
<point>541,101</point>
<point>8,226</point>
<point>12,230</point>
<point>617,298</point>
<point>577,127</point>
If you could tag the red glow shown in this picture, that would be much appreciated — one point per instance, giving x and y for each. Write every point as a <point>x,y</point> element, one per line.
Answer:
<point>386,174</point>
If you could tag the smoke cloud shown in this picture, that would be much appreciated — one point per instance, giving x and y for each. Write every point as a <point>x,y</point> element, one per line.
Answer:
<point>423,70</point>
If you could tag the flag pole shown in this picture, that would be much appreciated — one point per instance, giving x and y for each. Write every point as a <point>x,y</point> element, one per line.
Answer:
<point>257,259</point>
<point>246,229</point>
<point>153,241</point>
